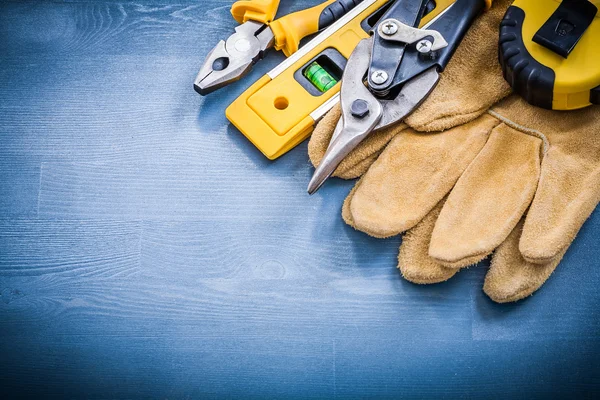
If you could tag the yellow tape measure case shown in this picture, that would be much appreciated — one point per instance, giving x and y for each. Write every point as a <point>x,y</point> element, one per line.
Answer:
<point>550,52</point>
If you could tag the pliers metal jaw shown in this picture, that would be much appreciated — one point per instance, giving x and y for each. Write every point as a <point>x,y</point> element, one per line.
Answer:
<point>230,60</point>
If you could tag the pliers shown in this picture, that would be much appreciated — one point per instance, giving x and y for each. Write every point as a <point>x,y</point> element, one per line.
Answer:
<point>231,59</point>
<point>391,73</point>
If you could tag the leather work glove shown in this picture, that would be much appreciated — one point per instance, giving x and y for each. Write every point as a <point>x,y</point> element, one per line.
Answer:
<point>469,85</point>
<point>530,181</point>
<point>405,190</point>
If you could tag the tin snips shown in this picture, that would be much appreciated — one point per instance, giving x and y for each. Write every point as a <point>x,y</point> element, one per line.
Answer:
<point>390,74</point>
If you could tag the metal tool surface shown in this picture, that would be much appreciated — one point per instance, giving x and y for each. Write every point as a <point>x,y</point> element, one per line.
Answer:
<point>377,91</point>
<point>232,59</point>
<point>280,110</point>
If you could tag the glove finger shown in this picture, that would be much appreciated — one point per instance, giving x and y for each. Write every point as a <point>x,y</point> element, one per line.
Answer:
<point>511,277</point>
<point>567,195</point>
<point>321,136</point>
<point>568,189</point>
<point>358,161</point>
<point>360,168</point>
<point>413,174</point>
<point>490,198</point>
<point>471,83</point>
<point>413,259</point>
<point>346,214</point>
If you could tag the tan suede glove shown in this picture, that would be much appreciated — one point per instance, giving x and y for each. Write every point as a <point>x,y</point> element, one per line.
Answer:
<point>470,84</point>
<point>530,181</point>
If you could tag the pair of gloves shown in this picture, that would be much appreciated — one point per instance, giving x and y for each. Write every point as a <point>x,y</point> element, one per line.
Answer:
<point>475,171</point>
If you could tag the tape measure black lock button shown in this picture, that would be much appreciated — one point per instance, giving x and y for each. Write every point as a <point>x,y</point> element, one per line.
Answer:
<point>549,52</point>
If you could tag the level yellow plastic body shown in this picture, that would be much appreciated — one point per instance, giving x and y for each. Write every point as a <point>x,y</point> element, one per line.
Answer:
<point>575,75</point>
<point>275,114</point>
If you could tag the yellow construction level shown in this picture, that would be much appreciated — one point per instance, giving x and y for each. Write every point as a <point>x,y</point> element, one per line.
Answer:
<point>280,109</point>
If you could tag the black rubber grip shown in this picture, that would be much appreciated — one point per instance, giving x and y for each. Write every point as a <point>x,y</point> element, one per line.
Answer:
<point>595,95</point>
<point>387,55</point>
<point>452,25</point>
<point>566,26</point>
<point>530,79</point>
<point>335,11</point>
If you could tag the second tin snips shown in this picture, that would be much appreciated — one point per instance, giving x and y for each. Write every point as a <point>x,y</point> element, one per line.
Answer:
<point>390,74</point>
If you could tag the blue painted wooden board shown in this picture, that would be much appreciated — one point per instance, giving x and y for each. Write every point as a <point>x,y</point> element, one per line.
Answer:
<point>147,250</point>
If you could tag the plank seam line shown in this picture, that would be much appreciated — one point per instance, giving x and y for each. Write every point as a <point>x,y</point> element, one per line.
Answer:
<point>334,371</point>
<point>39,196</point>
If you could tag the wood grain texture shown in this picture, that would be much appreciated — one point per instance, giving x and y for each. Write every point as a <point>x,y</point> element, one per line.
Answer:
<point>147,250</point>
<point>19,186</point>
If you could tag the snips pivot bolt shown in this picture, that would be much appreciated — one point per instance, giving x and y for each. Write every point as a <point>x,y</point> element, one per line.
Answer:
<point>379,77</point>
<point>359,108</point>
<point>389,28</point>
<point>424,46</point>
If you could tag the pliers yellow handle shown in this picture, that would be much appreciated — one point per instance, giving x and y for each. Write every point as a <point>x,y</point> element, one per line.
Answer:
<point>254,10</point>
<point>288,30</point>
<point>292,28</point>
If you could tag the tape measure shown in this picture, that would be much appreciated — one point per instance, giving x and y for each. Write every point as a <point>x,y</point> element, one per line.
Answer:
<point>550,52</point>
